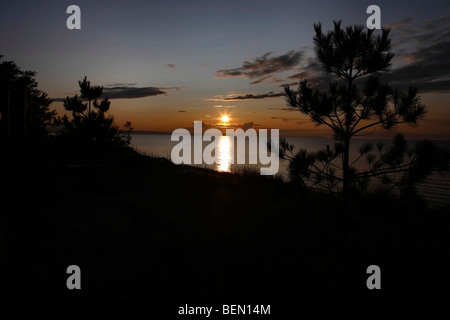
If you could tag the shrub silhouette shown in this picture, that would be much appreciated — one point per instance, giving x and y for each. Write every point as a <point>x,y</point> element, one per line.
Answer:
<point>90,124</point>
<point>25,110</point>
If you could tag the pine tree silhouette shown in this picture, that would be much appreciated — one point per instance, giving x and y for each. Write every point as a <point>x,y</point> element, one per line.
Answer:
<point>348,111</point>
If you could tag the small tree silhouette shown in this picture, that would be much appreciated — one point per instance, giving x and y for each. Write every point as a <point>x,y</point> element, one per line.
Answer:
<point>351,54</point>
<point>89,92</point>
<point>93,127</point>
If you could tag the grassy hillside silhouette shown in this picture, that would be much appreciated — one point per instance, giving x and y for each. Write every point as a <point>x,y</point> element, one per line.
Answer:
<point>145,228</point>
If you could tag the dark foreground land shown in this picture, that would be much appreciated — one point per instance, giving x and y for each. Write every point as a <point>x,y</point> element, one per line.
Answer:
<point>145,228</point>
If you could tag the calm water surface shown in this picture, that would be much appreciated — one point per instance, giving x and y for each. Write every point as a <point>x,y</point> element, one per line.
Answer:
<point>436,189</point>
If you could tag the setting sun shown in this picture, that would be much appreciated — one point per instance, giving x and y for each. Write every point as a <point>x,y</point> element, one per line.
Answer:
<point>225,118</point>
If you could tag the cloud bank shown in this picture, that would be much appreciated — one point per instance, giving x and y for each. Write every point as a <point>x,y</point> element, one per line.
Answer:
<point>245,96</point>
<point>422,49</point>
<point>130,91</point>
<point>263,66</point>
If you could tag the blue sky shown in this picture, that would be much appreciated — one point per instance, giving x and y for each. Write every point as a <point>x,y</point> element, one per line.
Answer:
<point>171,60</point>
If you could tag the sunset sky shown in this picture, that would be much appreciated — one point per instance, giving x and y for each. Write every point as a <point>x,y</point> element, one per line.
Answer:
<point>165,64</point>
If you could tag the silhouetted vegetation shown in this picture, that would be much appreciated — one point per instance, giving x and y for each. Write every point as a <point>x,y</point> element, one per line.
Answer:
<point>353,107</point>
<point>150,229</point>
<point>25,110</point>
<point>91,128</point>
<point>27,122</point>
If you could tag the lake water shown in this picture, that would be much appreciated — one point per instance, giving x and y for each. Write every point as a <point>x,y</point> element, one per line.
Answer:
<point>436,189</point>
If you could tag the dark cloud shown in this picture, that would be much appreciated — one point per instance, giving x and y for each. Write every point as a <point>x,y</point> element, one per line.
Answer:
<point>121,85</point>
<point>312,71</point>
<point>261,80</point>
<point>182,111</point>
<point>251,96</point>
<point>131,92</point>
<point>261,67</point>
<point>288,84</point>
<point>410,33</point>
<point>400,23</point>
<point>267,79</point>
<point>128,91</point>
<point>285,119</point>
<point>429,70</point>
<point>422,49</point>
<point>247,126</point>
<point>243,96</point>
<point>283,109</point>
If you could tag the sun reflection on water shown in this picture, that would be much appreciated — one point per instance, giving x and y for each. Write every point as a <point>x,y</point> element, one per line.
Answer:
<point>224,156</point>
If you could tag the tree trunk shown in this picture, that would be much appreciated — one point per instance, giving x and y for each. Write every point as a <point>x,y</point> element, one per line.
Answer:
<point>345,159</point>
<point>91,138</point>
<point>345,173</point>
